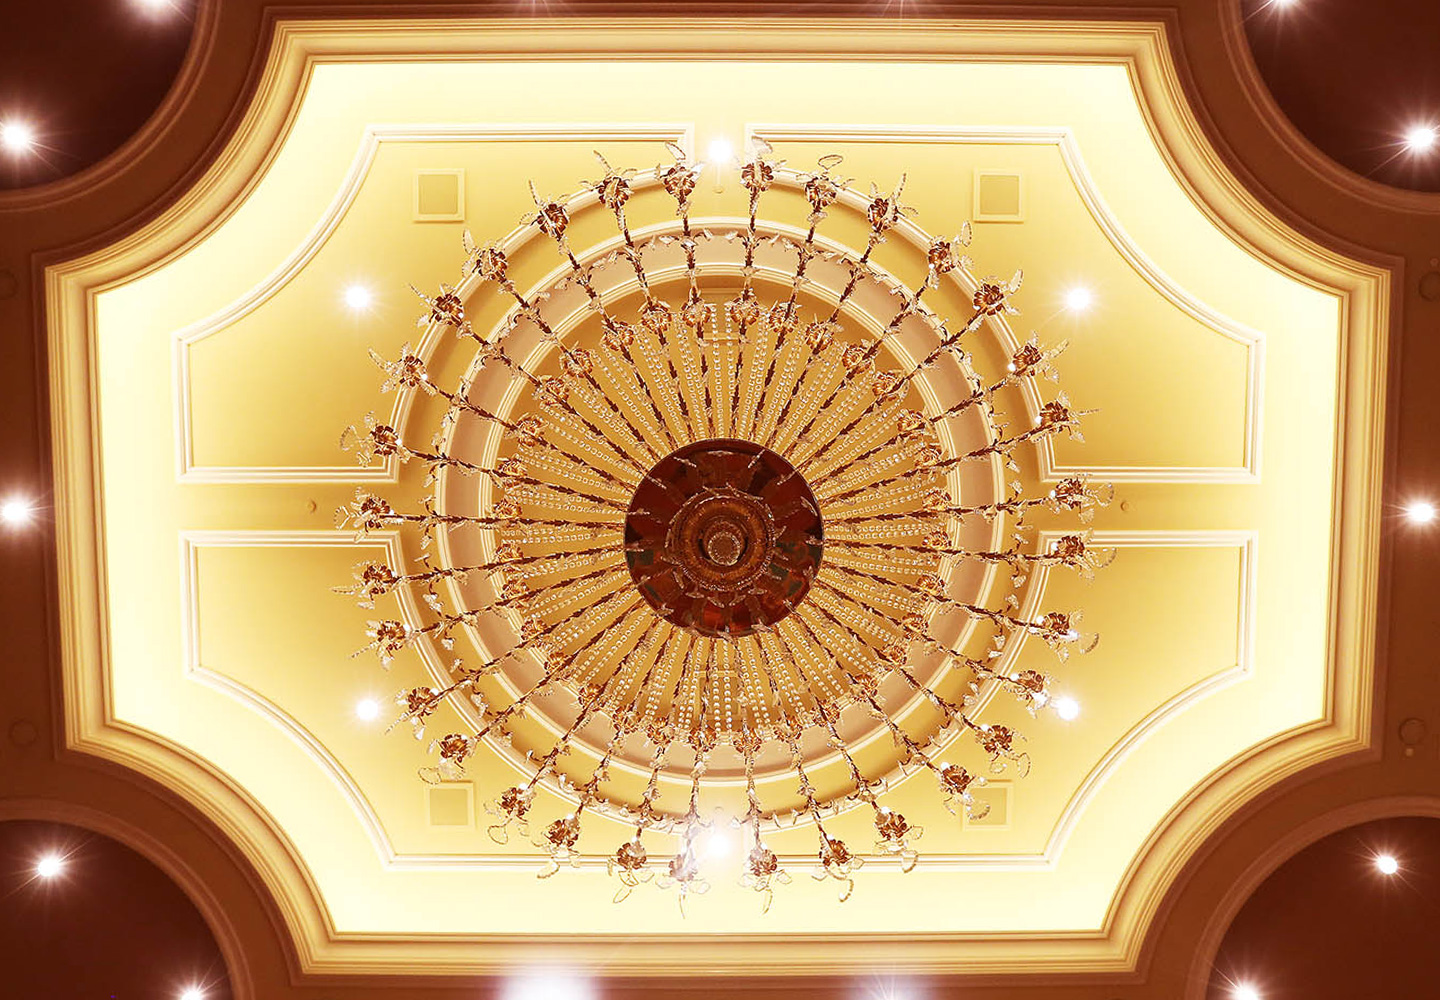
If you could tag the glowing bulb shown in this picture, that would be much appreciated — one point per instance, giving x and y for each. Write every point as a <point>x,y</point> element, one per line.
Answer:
<point>15,512</point>
<point>358,297</point>
<point>1078,299</point>
<point>721,151</point>
<point>1067,708</point>
<point>1387,865</point>
<point>193,993</point>
<point>367,709</point>
<point>1244,991</point>
<point>547,985</point>
<point>49,866</point>
<point>1420,511</point>
<point>717,844</point>
<point>1421,138</point>
<point>17,137</point>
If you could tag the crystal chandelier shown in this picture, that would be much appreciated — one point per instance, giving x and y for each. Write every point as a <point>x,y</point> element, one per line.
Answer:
<point>719,522</point>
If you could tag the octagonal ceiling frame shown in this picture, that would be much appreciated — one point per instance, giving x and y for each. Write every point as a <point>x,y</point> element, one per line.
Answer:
<point>1364,290</point>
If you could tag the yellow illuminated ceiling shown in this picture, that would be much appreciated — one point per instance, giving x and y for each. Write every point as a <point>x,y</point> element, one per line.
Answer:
<point>1232,365</point>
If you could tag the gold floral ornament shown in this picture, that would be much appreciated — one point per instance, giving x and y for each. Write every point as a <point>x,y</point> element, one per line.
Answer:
<point>720,525</point>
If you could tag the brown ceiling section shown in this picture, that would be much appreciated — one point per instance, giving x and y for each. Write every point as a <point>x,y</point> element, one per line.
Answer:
<point>1327,925</point>
<point>86,74</point>
<point>1353,77</point>
<point>109,926</point>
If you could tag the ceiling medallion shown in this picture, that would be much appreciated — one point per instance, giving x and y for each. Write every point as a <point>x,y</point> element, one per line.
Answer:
<point>720,522</point>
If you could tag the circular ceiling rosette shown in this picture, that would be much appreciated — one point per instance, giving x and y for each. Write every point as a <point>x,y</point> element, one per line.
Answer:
<point>718,521</point>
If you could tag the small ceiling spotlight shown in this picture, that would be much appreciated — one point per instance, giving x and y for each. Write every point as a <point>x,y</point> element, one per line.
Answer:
<point>17,137</point>
<point>15,512</point>
<point>193,993</point>
<point>358,297</point>
<point>1422,138</point>
<point>49,866</point>
<point>1386,864</point>
<point>1244,991</point>
<point>1079,298</point>
<point>721,151</point>
<point>1420,511</point>
<point>1067,708</point>
<point>367,709</point>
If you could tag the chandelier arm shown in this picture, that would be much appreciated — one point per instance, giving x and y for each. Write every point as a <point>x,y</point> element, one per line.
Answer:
<point>610,641</point>
<point>655,315</point>
<point>881,397</point>
<point>531,560</point>
<point>815,684</point>
<point>844,598</point>
<point>857,268</point>
<point>579,463</point>
<point>1052,633</point>
<point>767,421</point>
<point>605,502</point>
<point>784,323</point>
<point>550,629</point>
<point>897,479</point>
<point>915,750</point>
<point>824,361</point>
<point>645,682</point>
<point>589,791</point>
<point>835,859</point>
<point>693,355</point>
<point>652,785</point>
<point>976,397</point>
<point>652,703</point>
<point>856,433</point>
<point>858,681</point>
<point>558,586</point>
<point>562,745</point>
<point>894,556</point>
<point>582,276</point>
<point>648,392</point>
<point>756,177</point>
<point>1009,557</point>
<point>807,790</point>
<point>460,402</point>
<point>779,696</point>
<point>864,358</point>
<point>863,789</point>
<point>882,582</point>
<point>557,425</point>
<point>866,466</point>
<point>553,392</point>
<point>997,449</point>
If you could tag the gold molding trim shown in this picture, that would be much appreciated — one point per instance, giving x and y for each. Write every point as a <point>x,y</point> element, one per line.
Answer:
<point>1143,48</point>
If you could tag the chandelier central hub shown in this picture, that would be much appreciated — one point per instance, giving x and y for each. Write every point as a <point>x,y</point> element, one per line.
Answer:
<point>723,537</point>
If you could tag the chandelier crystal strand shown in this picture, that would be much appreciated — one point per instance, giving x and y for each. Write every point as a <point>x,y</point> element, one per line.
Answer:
<point>721,532</point>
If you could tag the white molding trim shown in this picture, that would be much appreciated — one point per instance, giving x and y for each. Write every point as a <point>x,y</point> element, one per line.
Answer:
<point>187,470</point>
<point>1063,139</point>
<point>191,542</point>
<point>1248,544</point>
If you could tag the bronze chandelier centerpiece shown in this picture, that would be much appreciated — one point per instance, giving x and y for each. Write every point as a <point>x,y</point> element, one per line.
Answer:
<point>700,532</point>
